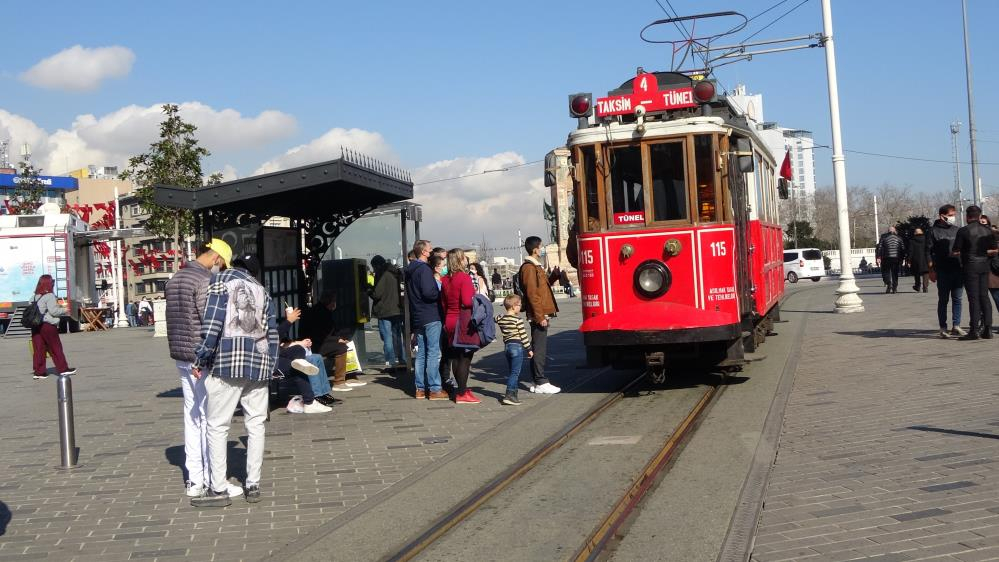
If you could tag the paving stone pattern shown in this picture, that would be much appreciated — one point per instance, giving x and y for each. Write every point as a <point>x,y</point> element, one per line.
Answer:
<point>126,502</point>
<point>890,445</point>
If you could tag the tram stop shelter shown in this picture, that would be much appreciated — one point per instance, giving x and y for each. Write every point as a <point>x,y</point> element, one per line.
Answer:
<point>317,202</point>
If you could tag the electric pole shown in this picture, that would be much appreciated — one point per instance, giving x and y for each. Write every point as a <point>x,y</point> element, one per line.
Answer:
<point>976,181</point>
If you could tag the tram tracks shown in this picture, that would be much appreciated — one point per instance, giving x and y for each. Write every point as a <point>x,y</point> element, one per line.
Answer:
<point>610,526</point>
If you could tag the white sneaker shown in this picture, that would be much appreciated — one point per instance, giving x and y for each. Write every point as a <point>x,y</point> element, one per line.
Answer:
<point>340,388</point>
<point>233,490</point>
<point>304,366</point>
<point>317,408</point>
<point>944,334</point>
<point>547,388</point>
<point>355,382</point>
<point>194,490</point>
<point>958,331</point>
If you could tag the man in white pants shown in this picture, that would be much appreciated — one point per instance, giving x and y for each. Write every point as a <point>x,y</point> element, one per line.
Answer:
<point>186,295</point>
<point>237,357</point>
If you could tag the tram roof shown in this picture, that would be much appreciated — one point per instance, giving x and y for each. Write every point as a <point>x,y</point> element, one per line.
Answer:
<point>350,183</point>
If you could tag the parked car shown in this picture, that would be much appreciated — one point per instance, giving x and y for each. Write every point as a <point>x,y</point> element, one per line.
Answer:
<point>803,262</point>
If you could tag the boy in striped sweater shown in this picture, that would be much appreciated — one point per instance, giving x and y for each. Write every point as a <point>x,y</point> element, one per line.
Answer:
<point>515,341</point>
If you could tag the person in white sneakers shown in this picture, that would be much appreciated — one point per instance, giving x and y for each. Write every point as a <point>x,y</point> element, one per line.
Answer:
<point>186,294</point>
<point>237,355</point>
<point>540,306</point>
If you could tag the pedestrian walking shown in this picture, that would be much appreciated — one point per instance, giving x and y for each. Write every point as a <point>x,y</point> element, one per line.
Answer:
<point>186,298</point>
<point>945,269</point>
<point>539,304</point>
<point>916,258</point>
<point>516,342</point>
<point>425,317</point>
<point>238,354</point>
<point>145,312</point>
<point>45,336</point>
<point>386,297</point>
<point>890,252</point>
<point>975,244</point>
<point>457,292</point>
<point>497,280</point>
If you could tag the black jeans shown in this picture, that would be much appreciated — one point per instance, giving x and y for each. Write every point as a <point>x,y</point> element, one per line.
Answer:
<point>921,280</point>
<point>977,286</point>
<point>889,272</point>
<point>539,343</point>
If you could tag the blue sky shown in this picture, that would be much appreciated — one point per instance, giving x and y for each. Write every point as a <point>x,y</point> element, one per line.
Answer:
<point>469,84</point>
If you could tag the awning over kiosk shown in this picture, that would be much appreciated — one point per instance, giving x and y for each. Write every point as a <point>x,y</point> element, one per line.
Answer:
<point>352,183</point>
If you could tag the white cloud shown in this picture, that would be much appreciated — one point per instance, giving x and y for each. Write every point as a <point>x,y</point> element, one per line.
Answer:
<point>493,205</point>
<point>80,69</point>
<point>327,147</point>
<point>456,212</point>
<point>112,138</point>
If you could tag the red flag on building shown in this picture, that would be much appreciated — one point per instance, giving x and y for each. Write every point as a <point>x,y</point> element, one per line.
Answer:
<point>785,168</point>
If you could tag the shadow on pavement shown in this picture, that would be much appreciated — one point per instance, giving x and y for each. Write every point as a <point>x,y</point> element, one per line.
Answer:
<point>953,431</point>
<point>893,333</point>
<point>5,518</point>
<point>175,456</point>
<point>172,393</point>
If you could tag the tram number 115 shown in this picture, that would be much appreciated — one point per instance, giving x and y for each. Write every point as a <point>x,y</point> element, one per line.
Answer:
<point>718,249</point>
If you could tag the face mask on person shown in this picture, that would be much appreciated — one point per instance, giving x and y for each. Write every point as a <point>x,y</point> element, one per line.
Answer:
<point>951,219</point>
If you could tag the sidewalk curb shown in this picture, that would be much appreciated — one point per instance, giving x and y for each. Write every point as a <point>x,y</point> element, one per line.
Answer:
<point>741,534</point>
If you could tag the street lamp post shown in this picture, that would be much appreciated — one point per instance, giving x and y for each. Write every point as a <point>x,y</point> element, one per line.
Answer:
<point>976,180</point>
<point>847,293</point>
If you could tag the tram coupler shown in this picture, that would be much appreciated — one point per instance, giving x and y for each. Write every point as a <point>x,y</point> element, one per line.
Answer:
<point>655,361</point>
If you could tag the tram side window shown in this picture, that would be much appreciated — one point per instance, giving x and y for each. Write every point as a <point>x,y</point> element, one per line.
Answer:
<point>704,158</point>
<point>626,183</point>
<point>591,194</point>
<point>669,186</point>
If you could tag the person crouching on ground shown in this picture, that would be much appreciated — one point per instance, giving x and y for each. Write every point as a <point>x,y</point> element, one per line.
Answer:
<point>457,292</point>
<point>186,298</point>
<point>515,342</point>
<point>238,354</point>
<point>45,336</point>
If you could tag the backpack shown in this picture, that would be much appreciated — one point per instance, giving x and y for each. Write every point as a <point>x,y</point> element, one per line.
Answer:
<point>518,287</point>
<point>32,316</point>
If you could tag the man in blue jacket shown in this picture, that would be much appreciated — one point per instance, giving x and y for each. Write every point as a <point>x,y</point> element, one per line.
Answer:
<point>425,317</point>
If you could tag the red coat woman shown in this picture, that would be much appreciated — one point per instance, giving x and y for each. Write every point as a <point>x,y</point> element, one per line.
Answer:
<point>457,293</point>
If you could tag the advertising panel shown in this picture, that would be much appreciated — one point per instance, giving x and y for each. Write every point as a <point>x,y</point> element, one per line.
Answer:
<point>22,261</point>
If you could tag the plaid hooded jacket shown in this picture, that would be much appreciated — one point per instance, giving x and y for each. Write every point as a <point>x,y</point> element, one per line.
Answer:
<point>239,330</point>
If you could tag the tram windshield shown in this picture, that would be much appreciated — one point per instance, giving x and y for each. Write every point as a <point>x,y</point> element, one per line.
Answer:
<point>671,180</point>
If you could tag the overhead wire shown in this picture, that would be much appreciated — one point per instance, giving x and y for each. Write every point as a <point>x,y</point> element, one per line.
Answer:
<point>482,173</point>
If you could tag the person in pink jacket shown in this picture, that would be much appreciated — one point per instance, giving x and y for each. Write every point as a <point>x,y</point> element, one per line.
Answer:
<point>457,292</point>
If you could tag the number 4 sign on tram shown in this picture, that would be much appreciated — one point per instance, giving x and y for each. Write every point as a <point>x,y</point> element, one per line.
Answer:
<point>646,92</point>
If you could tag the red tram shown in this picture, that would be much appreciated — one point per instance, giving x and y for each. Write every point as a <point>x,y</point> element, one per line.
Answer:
<point>678,241</point>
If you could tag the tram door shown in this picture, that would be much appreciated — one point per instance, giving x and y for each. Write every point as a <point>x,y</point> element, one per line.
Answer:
<point>740,214</point>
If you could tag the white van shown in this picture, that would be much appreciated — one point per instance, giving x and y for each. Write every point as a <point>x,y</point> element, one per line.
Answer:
<point>803,262</point>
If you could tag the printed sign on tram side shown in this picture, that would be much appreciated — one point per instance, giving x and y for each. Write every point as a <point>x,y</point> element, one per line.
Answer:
<point>590,275</point>
<point>718,271</point>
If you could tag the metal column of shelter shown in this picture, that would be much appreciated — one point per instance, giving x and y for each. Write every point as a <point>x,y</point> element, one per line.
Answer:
<point>319,200</point>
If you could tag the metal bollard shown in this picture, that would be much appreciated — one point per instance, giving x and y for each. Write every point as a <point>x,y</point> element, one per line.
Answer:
<point>67,432</point>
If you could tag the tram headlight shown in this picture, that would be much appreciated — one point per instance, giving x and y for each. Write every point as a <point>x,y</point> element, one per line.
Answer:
<point>652,279</point>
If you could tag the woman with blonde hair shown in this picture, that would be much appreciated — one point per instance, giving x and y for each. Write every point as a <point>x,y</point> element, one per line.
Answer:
<point>457,293</point>
<point>45,336</point>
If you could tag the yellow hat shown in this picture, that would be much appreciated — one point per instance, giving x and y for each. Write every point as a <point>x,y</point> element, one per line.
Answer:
<point>221,248</point>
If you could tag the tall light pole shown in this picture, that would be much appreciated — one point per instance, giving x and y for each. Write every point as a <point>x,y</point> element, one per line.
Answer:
<point>976,181</point>
<point>955,129</point>
<point>847,299</point>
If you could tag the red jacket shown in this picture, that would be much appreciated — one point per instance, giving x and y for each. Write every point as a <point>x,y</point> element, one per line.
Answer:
<point>457,293</point>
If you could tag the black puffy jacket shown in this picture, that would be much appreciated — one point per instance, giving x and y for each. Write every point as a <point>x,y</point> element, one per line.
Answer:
<point>186,295</point>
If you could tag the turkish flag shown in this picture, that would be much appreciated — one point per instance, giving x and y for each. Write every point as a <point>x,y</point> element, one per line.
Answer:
<point>785,168</point>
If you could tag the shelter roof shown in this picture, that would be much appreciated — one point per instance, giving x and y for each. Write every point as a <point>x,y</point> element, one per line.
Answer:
<point>347,184</point>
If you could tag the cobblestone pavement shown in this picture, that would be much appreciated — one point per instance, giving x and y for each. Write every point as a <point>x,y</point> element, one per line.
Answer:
<point>890,443</point>
<point>126,501</point>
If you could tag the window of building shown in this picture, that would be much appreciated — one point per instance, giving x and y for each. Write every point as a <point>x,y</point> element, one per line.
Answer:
<point>669,182</point>
<point>627,195</point>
